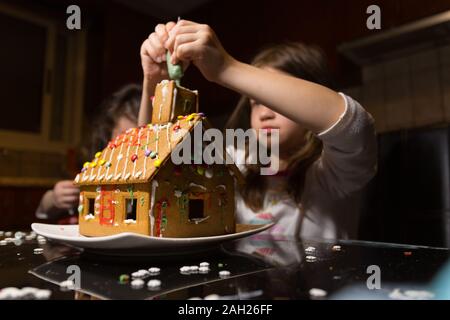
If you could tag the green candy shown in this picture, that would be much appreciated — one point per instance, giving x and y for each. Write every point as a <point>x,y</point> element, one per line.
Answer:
<point>175,70</point>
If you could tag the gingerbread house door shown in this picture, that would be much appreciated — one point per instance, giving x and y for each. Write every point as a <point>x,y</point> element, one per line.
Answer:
<point>107,203</point>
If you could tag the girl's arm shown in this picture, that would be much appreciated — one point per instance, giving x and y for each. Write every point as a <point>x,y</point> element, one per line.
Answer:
<point>153,60</point>
<point>311,105</point>
<point>314,106</point>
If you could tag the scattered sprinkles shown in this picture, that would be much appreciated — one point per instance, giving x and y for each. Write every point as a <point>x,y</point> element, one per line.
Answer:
<point>310,258</point>
<point>224,274</point>
<point>38,250</point>
<point>137,284</point>
<point>154,284</point>
<point>310,250</point>
<point>154,270</point>
<point>316,293</point>
<point>336,248</point>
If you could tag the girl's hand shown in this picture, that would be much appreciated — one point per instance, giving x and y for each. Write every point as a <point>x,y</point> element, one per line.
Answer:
<point>153,53</point>
<point>65,195</point>
<point>190,41</point>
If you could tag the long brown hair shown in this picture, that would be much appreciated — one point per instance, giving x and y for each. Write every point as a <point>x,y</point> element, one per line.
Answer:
<point>301,61</point>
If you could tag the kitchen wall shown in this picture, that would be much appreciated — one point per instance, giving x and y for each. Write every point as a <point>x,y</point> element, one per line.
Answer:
<point>408,92</point>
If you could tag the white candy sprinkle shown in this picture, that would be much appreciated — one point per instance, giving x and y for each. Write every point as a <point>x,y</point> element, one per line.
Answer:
<point>10,293</point>
<point>310,258</point>
<point>29,237</point>
<point>40,238</point>
<point>2,233</point>
<point>212,297</point>
<point>317,293</point>
<point>67,285</point>
<point>19,235</point>
<point>203,269</point>
<point>310,249</point>
<point>8,234</point>
<point>38,250</point>
<point>336,248</point>
<point>224,274</point>
<point>154,270</point>
<point>154,284</point>
<point>193,268</point>
<point>140,274</point>
<point>3,242</point>
<point>43,294</point>
<point>43,241</point>
<point>137,283</point>
<point>185,270</point>
<point>204,264</point>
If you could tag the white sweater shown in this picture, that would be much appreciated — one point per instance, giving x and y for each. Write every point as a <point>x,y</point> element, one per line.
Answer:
<point>331,199</point>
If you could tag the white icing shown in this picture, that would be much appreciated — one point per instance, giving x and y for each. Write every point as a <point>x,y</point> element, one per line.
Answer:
<point>89,216</point>
<point>174,99</point>
<point>118,159</point>
<point>129,221</point>
<point>221,186</point>
<point>110,159</point>
<point>146,146</point>
<point>137,150</point>
<point>209,173</point>
<point>152,203</point>
<point>127,156</point>
<point>192,184</point>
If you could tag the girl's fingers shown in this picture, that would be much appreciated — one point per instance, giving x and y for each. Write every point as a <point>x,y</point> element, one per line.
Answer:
<point>157,48</point>
<point>188,51</point>
<point>179,30</point>
<point>162,33</point>
<point>182,39</point>
<point>169,26</point>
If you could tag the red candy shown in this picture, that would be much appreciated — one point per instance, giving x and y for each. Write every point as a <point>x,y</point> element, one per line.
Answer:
<point>134,157</point>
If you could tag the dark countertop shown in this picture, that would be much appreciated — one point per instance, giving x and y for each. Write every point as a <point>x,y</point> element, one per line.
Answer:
<point>261,267</point>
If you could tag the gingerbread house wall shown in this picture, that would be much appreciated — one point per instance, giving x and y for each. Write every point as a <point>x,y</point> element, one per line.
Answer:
<point>171,101</point>
<point>176,184</point>
<point>107,215</point>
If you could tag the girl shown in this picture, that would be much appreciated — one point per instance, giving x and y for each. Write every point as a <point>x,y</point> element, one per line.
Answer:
<point>326,139</point>
<point>118,113</point>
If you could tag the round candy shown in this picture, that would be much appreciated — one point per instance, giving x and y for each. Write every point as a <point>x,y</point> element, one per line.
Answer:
<point>86,164</point>
<point>147,152</point>
<point>93,164</point>
<point>134,157</point>
<point>98,154</point>
<point>157,163</point>
<point>101,162</point>
<point>153,154</point>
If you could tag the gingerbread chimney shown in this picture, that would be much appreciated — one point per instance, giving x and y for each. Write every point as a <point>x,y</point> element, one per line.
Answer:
<point>171,101</point>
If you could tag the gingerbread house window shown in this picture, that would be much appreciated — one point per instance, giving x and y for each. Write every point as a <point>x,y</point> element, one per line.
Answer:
<point>130,209</point>
<point>187,106</point>
<point>91,205</point>
<point>196,207</point>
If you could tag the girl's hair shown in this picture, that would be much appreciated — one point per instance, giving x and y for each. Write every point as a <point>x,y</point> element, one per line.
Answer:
<point>301,61</point>
<point>123,103</point>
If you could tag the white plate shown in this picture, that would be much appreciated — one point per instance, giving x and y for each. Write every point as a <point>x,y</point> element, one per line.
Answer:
<point>137,244</point>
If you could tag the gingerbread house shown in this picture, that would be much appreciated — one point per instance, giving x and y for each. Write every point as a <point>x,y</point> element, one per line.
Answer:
<point>133,186</point>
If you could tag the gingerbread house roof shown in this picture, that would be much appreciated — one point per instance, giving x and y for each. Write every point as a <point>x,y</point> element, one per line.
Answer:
<point>136,155</point>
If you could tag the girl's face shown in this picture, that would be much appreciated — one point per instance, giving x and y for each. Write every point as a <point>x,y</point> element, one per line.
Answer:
<point>291,134</point>
<point>122,125</point>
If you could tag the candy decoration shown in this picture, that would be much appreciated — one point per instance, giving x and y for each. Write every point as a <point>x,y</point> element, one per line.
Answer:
<point>177,171</point>
<point>108,164</point>
<point>134,157</point>
<point>157,163</point>
<point>98,154</point>
<point>80,208</point>
<point>200,170</point>
<point>209,173</point>
<point>101,162</point>
<point>86,164</point>
<point>147,152</point>
<point>124,278</point>
<point>153,154</point>
<point>176,127</point>
<point>93,164</point>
